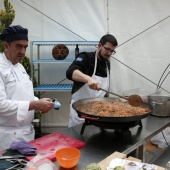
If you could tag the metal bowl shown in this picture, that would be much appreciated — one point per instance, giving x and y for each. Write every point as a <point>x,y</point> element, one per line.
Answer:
<point>161,105</point>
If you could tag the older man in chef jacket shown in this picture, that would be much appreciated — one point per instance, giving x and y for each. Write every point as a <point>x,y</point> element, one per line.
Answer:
<point>17,100</point>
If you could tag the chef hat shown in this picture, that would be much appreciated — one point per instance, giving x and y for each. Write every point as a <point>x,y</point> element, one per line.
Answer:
<point>14,33</point>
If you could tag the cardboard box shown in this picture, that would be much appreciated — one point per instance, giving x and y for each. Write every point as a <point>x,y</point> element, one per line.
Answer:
<point>105,162</point>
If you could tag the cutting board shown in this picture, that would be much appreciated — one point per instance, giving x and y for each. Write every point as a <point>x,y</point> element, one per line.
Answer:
<point>49,144</point>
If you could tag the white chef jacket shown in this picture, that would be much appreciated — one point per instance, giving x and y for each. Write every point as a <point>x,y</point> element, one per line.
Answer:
<point>16,92</point>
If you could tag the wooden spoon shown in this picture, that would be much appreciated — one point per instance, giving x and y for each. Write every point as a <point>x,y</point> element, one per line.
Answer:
<point>134,100</point>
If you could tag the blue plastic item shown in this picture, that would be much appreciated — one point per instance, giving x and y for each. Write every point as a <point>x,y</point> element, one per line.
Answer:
<point>57,104</point>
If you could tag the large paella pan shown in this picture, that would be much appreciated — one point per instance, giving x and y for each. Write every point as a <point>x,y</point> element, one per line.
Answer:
<point>90,109</point>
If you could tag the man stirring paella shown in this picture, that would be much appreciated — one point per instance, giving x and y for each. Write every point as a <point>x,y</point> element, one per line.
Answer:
<point>90,72</point>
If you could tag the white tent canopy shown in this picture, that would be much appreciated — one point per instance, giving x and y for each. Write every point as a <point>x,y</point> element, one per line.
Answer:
<point>142,29</point>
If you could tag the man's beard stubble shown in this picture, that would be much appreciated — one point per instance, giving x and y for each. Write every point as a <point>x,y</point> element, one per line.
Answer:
<point>101,57</point>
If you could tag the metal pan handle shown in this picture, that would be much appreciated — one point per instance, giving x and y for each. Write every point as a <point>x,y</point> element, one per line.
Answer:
<point>90,118</point>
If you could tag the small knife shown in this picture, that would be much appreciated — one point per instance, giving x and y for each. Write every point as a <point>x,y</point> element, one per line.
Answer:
<point>12,157</point>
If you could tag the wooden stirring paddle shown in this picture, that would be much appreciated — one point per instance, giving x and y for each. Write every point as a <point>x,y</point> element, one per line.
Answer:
<point>133,100</point>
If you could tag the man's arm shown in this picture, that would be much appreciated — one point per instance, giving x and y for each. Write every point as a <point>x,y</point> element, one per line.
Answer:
<point>81,77</point>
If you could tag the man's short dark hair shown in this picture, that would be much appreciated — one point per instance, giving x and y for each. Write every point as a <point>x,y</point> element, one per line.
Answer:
<point>108,38</point>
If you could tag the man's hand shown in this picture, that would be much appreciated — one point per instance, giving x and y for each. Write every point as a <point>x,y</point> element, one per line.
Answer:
<point>43,105</point>
<point>93,84</point>
<point>81,77</point>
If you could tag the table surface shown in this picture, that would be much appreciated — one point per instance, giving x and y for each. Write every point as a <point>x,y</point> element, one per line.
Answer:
<point>101,143</point>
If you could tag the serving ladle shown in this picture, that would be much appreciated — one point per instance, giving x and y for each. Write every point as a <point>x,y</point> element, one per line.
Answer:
<point>133,100</point>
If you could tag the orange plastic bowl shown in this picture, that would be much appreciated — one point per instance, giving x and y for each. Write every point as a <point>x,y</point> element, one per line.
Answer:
<point>67,157</point>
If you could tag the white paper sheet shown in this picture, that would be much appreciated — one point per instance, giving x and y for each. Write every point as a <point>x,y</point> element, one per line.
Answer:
<point>130,165</point>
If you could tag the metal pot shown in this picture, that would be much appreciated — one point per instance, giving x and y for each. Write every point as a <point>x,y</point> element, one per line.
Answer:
<point>94,117</point>
<point>161,105</point>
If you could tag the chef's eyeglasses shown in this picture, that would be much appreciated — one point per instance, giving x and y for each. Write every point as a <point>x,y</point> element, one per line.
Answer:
<point>109,50</point>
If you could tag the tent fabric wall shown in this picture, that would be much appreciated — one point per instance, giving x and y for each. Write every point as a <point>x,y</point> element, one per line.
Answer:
<point>148,53</point>
<point>139,61</point>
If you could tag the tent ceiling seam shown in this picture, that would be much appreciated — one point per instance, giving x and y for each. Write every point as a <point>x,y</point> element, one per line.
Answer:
<point>107,19</point>
<point>135,37</point>
<point>141,75</point>
<point>108,31</point>
<point>53,20</point>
